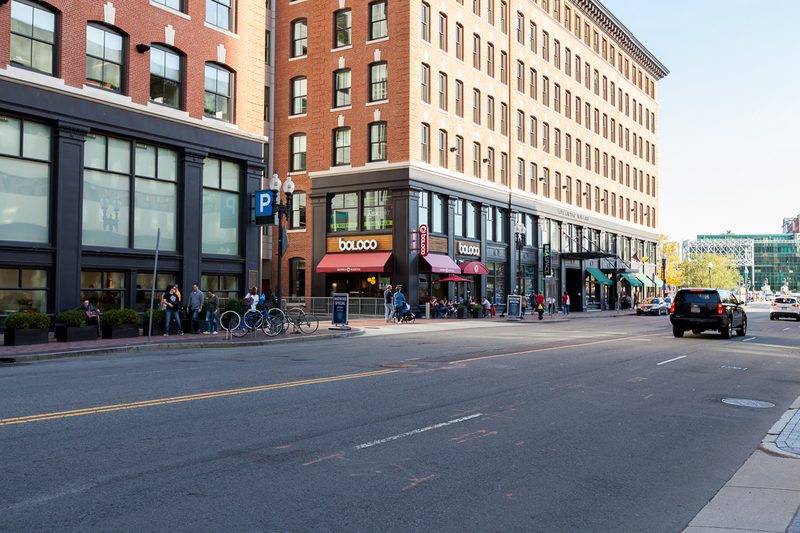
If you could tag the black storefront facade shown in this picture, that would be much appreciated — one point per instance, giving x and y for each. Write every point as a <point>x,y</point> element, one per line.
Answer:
<point>469,222</point>
<point>94,182</point>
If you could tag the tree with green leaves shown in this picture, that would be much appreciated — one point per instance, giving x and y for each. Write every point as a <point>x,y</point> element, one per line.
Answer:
<point>695,269</point>
<point>673,274</point>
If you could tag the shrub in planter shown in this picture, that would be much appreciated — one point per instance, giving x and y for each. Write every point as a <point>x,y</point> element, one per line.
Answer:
<point>120,324</point>
<point>477,310</point>
<point>23,329</point>
<point>159,317</point>
<point>234,305</point>
<point>70,327</point>
<point>462,311</point>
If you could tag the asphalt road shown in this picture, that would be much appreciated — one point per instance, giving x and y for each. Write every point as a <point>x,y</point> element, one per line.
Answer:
<point>602,425</point>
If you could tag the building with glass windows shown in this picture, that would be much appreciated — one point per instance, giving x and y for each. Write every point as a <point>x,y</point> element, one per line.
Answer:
<point>776,260</point>
<point>117,122</point>
<point>474,119</point>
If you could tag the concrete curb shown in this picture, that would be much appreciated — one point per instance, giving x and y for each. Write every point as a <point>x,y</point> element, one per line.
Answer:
<point>23,358</point>
<point>772,442</point>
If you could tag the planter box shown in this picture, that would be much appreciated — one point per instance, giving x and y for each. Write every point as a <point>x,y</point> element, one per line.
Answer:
<point>120,331</point>
<point>462,313</point>
<point>76,334</point>
<point>476,313</point>
<point>25,337</point>
<point>158,328</point>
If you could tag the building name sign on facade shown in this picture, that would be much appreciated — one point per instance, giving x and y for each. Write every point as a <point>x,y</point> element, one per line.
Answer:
<point>373,243</point>
<point>365,244</point>
<point>573,215</point>
<point>466,248</point>
<point>423,240</point>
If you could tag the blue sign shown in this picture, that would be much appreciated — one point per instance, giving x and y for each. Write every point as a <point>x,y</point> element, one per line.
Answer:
<point>514,307</point>
<point>263,203</point>
<point>340,309</point>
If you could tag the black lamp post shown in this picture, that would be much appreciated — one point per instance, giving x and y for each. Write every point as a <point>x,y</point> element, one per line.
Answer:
<point>281,210</point>
<point>710,266</point>
<point>519,234</point>
<point>664,269</point>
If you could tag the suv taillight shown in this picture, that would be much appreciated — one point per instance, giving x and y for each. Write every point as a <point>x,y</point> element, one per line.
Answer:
<point>672,307</point>
<point>773,304</point>
<point>719,309</point>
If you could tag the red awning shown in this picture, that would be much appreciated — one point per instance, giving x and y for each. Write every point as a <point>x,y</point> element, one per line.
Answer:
<point>440,264</point>
<point>474,267</point>
<point>376,262</point>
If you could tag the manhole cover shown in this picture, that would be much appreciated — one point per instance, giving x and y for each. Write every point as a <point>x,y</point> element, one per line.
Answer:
<point>398,365</point>
<point>748,403</point>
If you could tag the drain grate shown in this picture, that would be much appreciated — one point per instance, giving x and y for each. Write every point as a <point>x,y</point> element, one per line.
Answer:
<point>748,403</point>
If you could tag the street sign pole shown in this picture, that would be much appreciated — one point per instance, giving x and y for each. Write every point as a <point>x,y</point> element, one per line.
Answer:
<point>153,291</point>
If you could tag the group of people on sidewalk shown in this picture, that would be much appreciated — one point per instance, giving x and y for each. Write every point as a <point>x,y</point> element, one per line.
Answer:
<point>396,304</point>
<point>174,309</point>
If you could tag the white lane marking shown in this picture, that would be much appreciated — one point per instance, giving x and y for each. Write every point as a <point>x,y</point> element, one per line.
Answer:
<point>748,340</point>
<point>414,432</point>
<point>670,360</point>
<point>642,340</point>
<point>786,329</point>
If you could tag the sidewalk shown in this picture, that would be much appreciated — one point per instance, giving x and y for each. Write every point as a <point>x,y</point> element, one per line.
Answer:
<point>55,350</point>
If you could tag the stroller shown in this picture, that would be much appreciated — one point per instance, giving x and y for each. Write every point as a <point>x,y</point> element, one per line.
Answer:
<point>408,317</point>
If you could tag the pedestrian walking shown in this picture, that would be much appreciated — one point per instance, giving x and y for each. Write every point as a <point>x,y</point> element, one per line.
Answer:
<point>565,303</point>
<point>399,303</point>
<point>388,302</point>
<point>171,305</point>
<point>212,313</point>
<point>268,300</point>
<point>194,306</point>
<point>251,299</point>
<point>551,305</point>
<point>540,305</point>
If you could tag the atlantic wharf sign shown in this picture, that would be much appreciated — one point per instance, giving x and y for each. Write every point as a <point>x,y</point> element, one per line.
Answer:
<point>573,215</point>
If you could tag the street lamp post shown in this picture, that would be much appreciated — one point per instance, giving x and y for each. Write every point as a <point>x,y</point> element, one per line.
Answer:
<point>710,266</point>
<point>664,270</point>
<point>519,233</point>
<point>282,210</point>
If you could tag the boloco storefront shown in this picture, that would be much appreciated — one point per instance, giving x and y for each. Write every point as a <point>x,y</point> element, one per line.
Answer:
<point>358,266</point>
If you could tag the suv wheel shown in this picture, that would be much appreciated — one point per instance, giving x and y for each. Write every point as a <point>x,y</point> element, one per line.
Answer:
<point>727,331</point>
<point>677,332</point>
<point>742,331</point>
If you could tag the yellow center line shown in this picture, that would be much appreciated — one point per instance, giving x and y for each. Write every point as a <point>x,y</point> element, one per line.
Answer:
<point>191,397</point>
<point>554,348</point>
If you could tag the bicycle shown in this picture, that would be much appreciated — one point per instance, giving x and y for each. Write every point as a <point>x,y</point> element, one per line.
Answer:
<point>299,319</point>
<point>229,320</point>
<point>239,326</point>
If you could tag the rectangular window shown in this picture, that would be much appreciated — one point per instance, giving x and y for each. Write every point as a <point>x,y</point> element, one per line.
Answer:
<point>556,54</point>
<point>442,148</point>
<point>377,210</point>
<point>298,155</point>
<point>532,131</point>
<point>520,126</point>
<point>545,46</point>
<point>476,51</point>
<point>379,82</point>
<point>220,207</point>
<point>532,31</point>
<point>490,113</point>
<point>425,81</point>
<point>299,38</point>
<point>341,148</point>
<point>490,164</point>
<point>425,22</point>
<point>438,214</point>
<point>532,83</point>
<point>377,142</point>
<point>557,142</point>
<point>534,177</point>
<point>23,291</point>
<point>476,106</point>
<point>379,24</point>
<point>557,186</point>
<point>165,77</point>
<point>546,182</point>
<point>503,119</point>
<point>578,193</point>
<point>568,190</point>
<point>557,98</point>
<point>459,99</point>
<point>568,148</point>
<point>344,212</point>
<point>443,32</point>
<point>459,154</point>
<point>459,42</point>
<point>343,27</point>
<point>503,169</point>
<point>545,91</point>
<point>490,59</point>
<point>25,155</point>
<point>476,160</point>
<point>104,58</point>
<point>425,139</point>
<point>521,78</point>
<point>545,137</point>
<point>520,174</point>
<point>342,89</point>
<point>458,218</point>
<point>443,91</point>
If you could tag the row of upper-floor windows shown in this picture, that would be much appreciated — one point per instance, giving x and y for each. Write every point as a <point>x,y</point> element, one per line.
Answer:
<point>594,121</point>
<point>638,180</point>
<point>377,146</point>
<point>35,43</point>
<point>219,13</point>
<point>591,37</point>
<point>342,31</point>
<point>377,88</point>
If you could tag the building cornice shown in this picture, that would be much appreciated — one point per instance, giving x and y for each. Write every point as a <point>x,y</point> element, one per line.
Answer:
<point>622,35</point>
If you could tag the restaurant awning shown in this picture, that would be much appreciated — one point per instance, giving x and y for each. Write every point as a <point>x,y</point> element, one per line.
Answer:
<point>474,267</point>
<point>440,264</point>
<point>375,262</point>
<point>631,278</point>
<point>658,281</point>
<point>599,276</point>
<point>647,282</point>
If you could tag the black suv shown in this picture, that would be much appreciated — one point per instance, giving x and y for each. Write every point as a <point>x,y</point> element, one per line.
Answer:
<point>698,310</point>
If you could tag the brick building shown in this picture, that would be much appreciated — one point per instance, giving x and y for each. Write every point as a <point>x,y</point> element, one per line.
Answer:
<point>479,119</point>
<point>118,119</point>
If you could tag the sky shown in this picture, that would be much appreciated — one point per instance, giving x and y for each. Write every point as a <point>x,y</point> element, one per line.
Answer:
<point>728,111</point>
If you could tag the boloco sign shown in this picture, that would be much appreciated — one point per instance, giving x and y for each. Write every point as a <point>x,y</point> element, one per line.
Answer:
<point>468,248</point>
<point>372,243</point>
<point>423,240</point>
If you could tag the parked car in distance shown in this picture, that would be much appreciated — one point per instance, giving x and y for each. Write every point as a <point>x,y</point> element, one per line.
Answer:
<point>785,307</point>
<point>698,310</point>
<point>653,306</point>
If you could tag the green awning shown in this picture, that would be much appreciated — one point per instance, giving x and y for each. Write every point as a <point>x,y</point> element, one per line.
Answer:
<point>632,279</point>
<point>599,276</point>
<point>659,282</point>
<point>647,282</point>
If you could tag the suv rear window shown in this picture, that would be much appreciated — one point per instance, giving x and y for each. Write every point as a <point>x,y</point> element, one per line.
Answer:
<point>785,301</point>
<point>696,297</point>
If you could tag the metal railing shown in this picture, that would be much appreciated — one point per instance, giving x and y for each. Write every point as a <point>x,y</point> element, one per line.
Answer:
<point>322,307</point>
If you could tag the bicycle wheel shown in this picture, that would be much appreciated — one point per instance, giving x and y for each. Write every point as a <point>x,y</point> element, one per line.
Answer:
<point>272,324</point>
<point>307,323</point>
<point>229,320</point>
<point>250,321</point>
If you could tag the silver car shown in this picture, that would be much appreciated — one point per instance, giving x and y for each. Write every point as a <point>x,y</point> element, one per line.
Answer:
<point>653,306</point>
<point>785,307</point>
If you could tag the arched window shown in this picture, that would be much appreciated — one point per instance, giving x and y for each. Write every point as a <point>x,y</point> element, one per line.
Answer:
<point>299,38</point>
<point>33,37</point>
<point>219,93</point>
<point>104,58</point>
<point>165,77</point>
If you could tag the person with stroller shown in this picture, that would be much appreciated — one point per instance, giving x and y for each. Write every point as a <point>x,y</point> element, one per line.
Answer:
<point>399,303</point>
<point>408,317</point>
